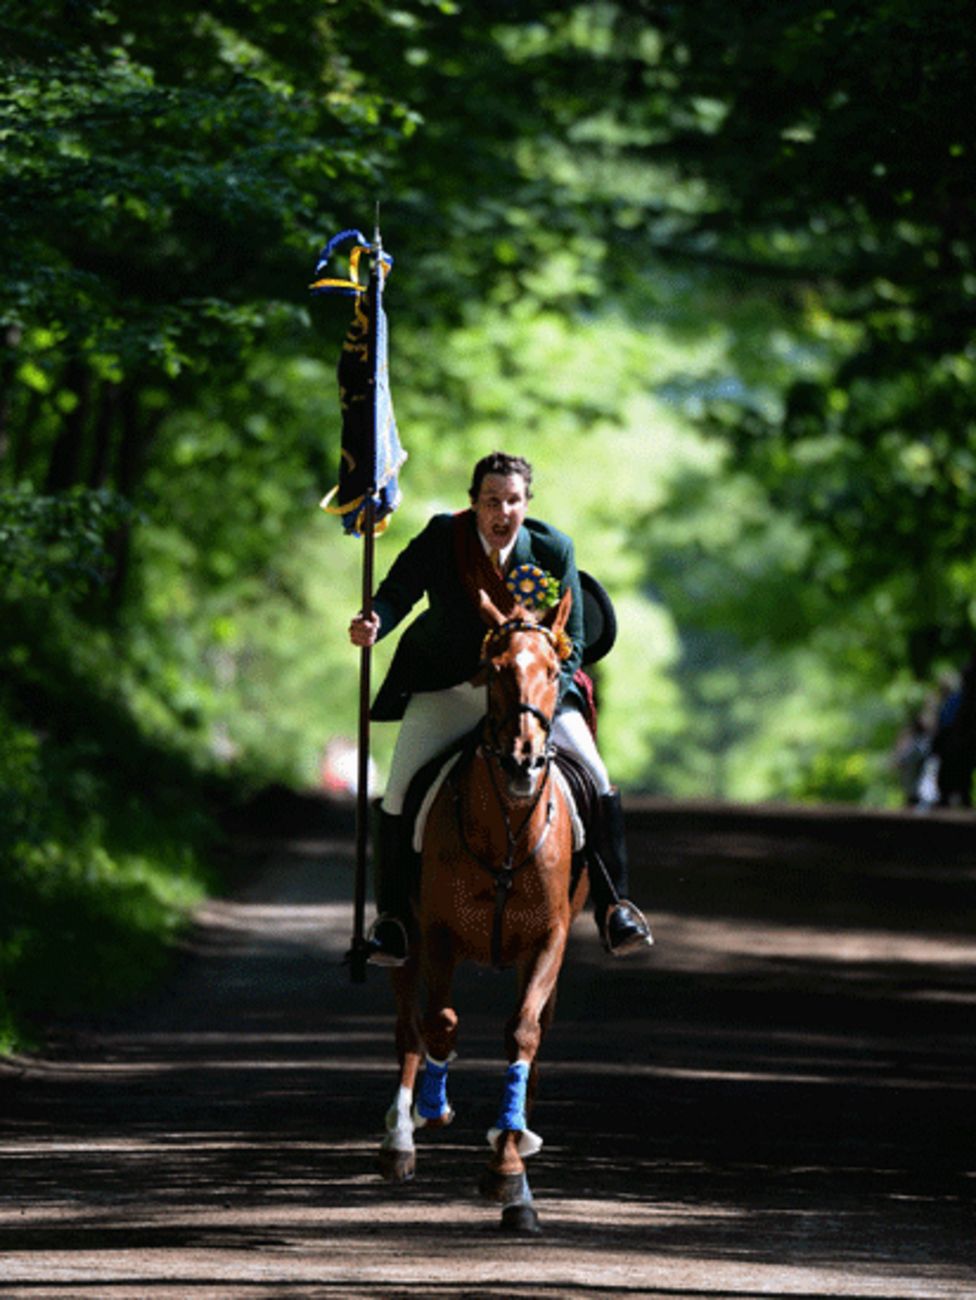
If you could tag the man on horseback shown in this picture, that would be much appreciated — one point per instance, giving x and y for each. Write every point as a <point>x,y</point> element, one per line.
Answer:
<point>429,684</point>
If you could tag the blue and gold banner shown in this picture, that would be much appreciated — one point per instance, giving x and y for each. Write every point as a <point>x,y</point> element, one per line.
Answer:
<point>357,472</point>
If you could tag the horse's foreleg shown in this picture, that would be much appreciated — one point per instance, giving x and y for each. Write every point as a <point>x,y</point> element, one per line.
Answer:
<point>440,1027</point>
<point>545,1020</point>
<point>512,1142</point>
<point>511,1139</point>
<point>432,1108</point>
<point>512,1122</point>
<point>523,1037</point>
<point>397,1156</point>
<point>505,1182</point>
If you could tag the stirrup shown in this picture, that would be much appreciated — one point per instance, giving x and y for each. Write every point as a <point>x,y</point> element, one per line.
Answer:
<point>625,929</point>
<point>388,940</point>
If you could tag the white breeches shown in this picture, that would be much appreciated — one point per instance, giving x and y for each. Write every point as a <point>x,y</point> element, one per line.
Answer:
<point>434,719</point>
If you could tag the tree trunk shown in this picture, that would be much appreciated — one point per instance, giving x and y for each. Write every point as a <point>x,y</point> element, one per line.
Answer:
<point>135,439</point>
<point>101,459</point>
<point>23,443</point>
<point>64,468</point>
<point>8,369</point>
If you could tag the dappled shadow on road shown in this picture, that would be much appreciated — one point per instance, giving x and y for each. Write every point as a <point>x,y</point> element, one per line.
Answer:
<point>775,1086</point>
<point>276,1198</point>
<point>797,866</point>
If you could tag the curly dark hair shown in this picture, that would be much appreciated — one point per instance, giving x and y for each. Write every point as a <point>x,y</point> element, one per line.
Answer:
<point>500,462</point>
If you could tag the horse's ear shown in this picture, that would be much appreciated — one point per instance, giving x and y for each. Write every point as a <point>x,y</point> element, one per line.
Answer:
<point>489,611</point>
<point>558,621</point>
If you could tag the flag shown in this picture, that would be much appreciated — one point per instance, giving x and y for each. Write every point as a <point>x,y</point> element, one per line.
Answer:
<point>357,472</point>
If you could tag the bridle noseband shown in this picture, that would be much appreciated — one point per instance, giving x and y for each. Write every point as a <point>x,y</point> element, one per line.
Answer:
<point>491,742</point>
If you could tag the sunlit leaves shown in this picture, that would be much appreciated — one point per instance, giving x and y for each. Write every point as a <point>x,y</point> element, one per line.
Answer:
<point>57,545</point>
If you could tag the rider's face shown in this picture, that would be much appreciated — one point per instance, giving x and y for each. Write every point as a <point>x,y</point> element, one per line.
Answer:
<point>500,508</point>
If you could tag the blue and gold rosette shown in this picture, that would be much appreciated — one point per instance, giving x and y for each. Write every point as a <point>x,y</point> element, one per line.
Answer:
<point>532,587</point>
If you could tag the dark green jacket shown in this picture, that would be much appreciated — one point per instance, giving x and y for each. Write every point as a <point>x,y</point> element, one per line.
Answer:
<point>442,646</point>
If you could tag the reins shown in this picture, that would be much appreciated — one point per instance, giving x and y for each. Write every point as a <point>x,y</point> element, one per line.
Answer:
<point>494,726</point>
<point>504,875</point>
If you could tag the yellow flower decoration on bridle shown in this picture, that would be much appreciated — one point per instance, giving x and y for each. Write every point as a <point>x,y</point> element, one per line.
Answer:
<point>562,643</point>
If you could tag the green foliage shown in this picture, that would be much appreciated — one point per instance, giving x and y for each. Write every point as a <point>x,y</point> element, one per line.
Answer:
<point>58,545</point>
<point>836,145</point>
<point>98,871</point>
<point>89,915</point>
<point>710,268</point>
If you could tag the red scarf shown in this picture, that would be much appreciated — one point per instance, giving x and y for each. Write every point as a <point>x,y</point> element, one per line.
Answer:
<point>474,567</point>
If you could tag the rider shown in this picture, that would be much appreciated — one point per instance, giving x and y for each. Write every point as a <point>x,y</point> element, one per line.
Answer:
<point>429,683</point>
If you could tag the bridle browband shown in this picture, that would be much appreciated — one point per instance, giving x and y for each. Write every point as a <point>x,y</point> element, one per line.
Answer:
<point>502,630</point>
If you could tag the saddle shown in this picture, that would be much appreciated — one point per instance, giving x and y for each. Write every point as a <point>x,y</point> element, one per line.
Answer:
<point>586,798</point>
<point>577,784</point>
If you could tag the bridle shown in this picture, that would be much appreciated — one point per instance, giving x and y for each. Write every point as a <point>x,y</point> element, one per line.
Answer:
<point>491,743</point>
<point>504,874</point>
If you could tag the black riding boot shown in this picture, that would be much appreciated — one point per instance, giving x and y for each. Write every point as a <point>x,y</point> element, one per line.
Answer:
<point>622,926</point>
<point>391,886</point>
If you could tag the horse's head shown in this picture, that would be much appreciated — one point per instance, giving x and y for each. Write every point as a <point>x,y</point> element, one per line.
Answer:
<point>521,656</point>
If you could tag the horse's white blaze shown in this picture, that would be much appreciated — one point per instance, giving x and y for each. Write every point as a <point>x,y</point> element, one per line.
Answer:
<point>525,659</point>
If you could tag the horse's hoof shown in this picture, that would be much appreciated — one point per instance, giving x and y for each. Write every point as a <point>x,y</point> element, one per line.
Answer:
<point>520,1220</point>
<point>442,1121</point>
<point>439,1121</point>
<point>397,1166</point>
<point>504,1188</point>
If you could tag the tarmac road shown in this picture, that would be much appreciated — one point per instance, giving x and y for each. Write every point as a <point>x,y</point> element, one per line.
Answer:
<point>777,1101</point>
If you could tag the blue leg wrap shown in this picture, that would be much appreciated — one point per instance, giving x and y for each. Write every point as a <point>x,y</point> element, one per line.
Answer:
<point>432,1094</point>
<point>512,1114</point>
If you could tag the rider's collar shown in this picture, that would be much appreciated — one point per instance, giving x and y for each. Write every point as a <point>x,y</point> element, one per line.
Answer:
<point>503,554</point>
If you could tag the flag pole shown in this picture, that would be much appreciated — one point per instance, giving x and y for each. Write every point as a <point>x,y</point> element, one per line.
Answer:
<point>359,952</point>
<point>363,500</point>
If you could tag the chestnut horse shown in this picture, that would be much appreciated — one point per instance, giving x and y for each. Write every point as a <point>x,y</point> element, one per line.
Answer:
<point>495,889</point>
